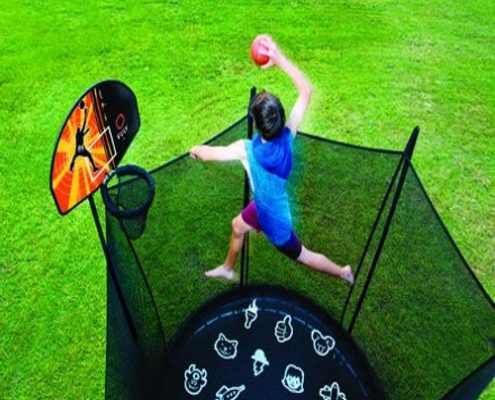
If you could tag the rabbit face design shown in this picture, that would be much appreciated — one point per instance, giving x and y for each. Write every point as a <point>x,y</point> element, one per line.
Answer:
<point>226,348</point>
<point>322,344</point>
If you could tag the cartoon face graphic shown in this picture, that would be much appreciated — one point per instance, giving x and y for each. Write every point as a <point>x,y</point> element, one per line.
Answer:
<point>226,348</point>
<point>232,393</point>
<point>250,314</point>
<point>293,379</point>
<point>194,380</point>
<point>322,344</point>
<point>332,392</point>
<point>259,362</point>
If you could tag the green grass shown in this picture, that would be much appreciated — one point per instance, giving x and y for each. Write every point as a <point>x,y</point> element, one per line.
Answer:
<point>378,69</point>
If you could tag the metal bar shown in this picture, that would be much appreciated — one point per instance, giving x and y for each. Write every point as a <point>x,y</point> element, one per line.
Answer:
<point>473,384</point>
<point>408,152</point>
<point>370,237</point>
<point>245,245</point>
<point>113,275</point>
<point>148,289</point>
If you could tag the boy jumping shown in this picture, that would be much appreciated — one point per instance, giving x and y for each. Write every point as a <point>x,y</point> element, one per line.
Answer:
<point>267,159</point>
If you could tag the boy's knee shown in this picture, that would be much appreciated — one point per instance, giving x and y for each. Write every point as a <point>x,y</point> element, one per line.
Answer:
<point>304,256</point>
<point>238,226</point>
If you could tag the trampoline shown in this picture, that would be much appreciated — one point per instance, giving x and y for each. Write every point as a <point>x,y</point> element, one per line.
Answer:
<point>417,323</point>
<point>266,343</point>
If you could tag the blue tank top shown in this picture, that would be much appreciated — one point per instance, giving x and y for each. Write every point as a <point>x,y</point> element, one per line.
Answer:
<point>270,163</point>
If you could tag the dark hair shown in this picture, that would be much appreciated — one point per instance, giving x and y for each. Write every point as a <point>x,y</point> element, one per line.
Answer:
<point>268,114</point>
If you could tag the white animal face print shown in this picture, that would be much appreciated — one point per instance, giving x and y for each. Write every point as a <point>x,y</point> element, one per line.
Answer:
<point>332,392</point>
<point>194,380</point>
<point>225,348</point>
<point>322,344</point>
<point>293,379</point>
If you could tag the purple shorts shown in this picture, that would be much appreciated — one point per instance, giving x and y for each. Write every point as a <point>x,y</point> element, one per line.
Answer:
<point>292,248</point>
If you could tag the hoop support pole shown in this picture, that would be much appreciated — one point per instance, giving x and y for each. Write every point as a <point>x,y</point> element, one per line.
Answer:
<point>110,268</point>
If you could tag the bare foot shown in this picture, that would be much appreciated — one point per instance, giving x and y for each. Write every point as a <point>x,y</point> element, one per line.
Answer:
<point>221,272</point>
<point>347,274</point>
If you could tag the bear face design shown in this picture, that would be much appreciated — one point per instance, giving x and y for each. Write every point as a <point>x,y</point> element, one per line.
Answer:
<point>194,380</point>
<point>225,348</point>
<point>293,379</point>
<point>322,344</point>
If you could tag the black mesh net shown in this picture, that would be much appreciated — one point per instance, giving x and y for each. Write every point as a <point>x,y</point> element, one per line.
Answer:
<point>336,191</point>
<point>423,307</point>
<point>424,325</point>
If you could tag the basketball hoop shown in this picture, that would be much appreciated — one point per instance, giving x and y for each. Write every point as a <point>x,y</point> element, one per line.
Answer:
<point>130,198</point>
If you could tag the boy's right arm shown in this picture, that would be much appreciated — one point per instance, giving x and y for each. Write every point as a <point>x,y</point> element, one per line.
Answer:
<point>300,81</point>
<point>234,151</point>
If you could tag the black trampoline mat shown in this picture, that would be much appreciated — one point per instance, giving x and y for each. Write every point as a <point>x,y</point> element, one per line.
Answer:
<point>265,344</point>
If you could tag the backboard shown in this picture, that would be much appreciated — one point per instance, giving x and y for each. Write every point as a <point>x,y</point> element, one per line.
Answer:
<point>94,137</point>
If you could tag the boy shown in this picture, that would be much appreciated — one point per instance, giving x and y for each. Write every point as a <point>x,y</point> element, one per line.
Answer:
<point>268,161</point>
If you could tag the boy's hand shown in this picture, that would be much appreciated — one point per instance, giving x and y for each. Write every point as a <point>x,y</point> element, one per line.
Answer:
<point>271,50</point>
<point>196,152</point>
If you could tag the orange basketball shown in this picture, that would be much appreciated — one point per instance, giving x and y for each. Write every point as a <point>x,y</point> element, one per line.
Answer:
<point>258,58</point>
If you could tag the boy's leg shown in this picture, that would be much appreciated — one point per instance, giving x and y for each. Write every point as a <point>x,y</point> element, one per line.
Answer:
<point>323,264</point>
<point>239,229</point>
<point>294,249</point>
<point>226,270</point>
<point>87,154</point>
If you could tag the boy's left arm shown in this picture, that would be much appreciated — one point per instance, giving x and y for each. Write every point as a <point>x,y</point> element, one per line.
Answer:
<point>298,78</point>
<point>234,151</point>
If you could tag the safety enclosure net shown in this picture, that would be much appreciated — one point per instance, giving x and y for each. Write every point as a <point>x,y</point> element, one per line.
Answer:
<point>417,311</point>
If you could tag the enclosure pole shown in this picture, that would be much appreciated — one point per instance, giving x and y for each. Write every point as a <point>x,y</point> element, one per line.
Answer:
<point>408,152</point>
<point>113,275</point>
<point>471,387</point>
<point>245,245</point>
<point>370,237</point>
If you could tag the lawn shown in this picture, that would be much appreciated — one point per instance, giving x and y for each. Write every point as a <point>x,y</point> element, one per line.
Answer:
<point>378,69</point>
